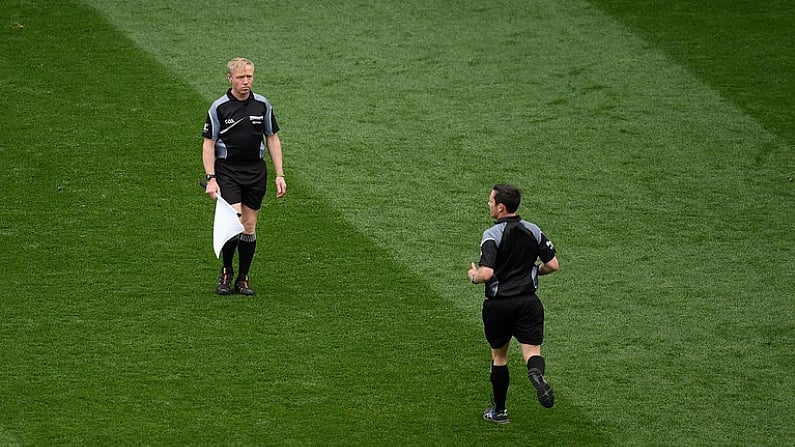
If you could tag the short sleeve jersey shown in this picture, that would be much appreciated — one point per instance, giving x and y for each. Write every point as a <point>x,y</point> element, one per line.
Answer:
<point>511,247</point>
<point>239,127</point>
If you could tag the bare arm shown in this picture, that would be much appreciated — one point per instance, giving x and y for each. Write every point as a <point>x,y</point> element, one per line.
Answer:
<point>275,151</point>
<point>551,266</point>
<point>480,274</point>
<point>208,160</point>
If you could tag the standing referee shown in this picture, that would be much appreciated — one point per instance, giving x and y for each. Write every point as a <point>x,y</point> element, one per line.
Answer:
<point>240,126</point>
<point>508,254</point>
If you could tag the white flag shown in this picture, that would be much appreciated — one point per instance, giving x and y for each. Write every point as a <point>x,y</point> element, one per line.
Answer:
<point>227,225</point>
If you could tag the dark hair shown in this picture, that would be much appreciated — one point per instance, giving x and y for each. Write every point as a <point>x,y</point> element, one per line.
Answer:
<point>508,195</point>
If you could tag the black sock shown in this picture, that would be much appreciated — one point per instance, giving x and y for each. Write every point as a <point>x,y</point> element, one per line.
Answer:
<point>246,248</point>
<point>536,362</point>
<point>228,252</point>
<point>500,380</point>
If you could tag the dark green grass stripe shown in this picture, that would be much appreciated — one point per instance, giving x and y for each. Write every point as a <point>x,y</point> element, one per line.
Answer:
<point>111,332</point>
<point>742,49</point>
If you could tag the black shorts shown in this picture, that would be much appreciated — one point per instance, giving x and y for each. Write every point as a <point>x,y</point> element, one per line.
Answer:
<point>242,183</point>
<point>521,317</point>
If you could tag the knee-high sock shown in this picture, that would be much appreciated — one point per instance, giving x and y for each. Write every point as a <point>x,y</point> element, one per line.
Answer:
<point>536,362</point>
<point>228,253</point>
<point>246,248</point>
<point>500,380</point>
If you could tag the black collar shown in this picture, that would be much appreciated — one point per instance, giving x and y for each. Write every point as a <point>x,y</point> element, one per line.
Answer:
<point>514,218</point>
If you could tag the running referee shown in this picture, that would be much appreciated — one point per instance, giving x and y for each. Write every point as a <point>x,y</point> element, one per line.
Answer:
<point>240,126</point>
<point>508,254</point>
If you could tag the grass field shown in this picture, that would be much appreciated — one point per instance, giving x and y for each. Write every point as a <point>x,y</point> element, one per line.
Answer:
<point>654,142</point>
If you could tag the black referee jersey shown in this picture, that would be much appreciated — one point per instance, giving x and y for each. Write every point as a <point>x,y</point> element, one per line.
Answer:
<point>511,247</point>
<point>239,127</point>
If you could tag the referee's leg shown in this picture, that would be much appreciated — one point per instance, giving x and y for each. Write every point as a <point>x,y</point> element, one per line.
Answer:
<point>536,366</point>
<point>246,247</point>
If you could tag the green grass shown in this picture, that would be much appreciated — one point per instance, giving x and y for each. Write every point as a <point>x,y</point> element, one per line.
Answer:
<point>739,48</point>
<point>656,155</point>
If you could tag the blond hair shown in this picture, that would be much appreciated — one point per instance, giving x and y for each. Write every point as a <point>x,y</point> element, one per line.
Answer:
<point>236,63</point>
